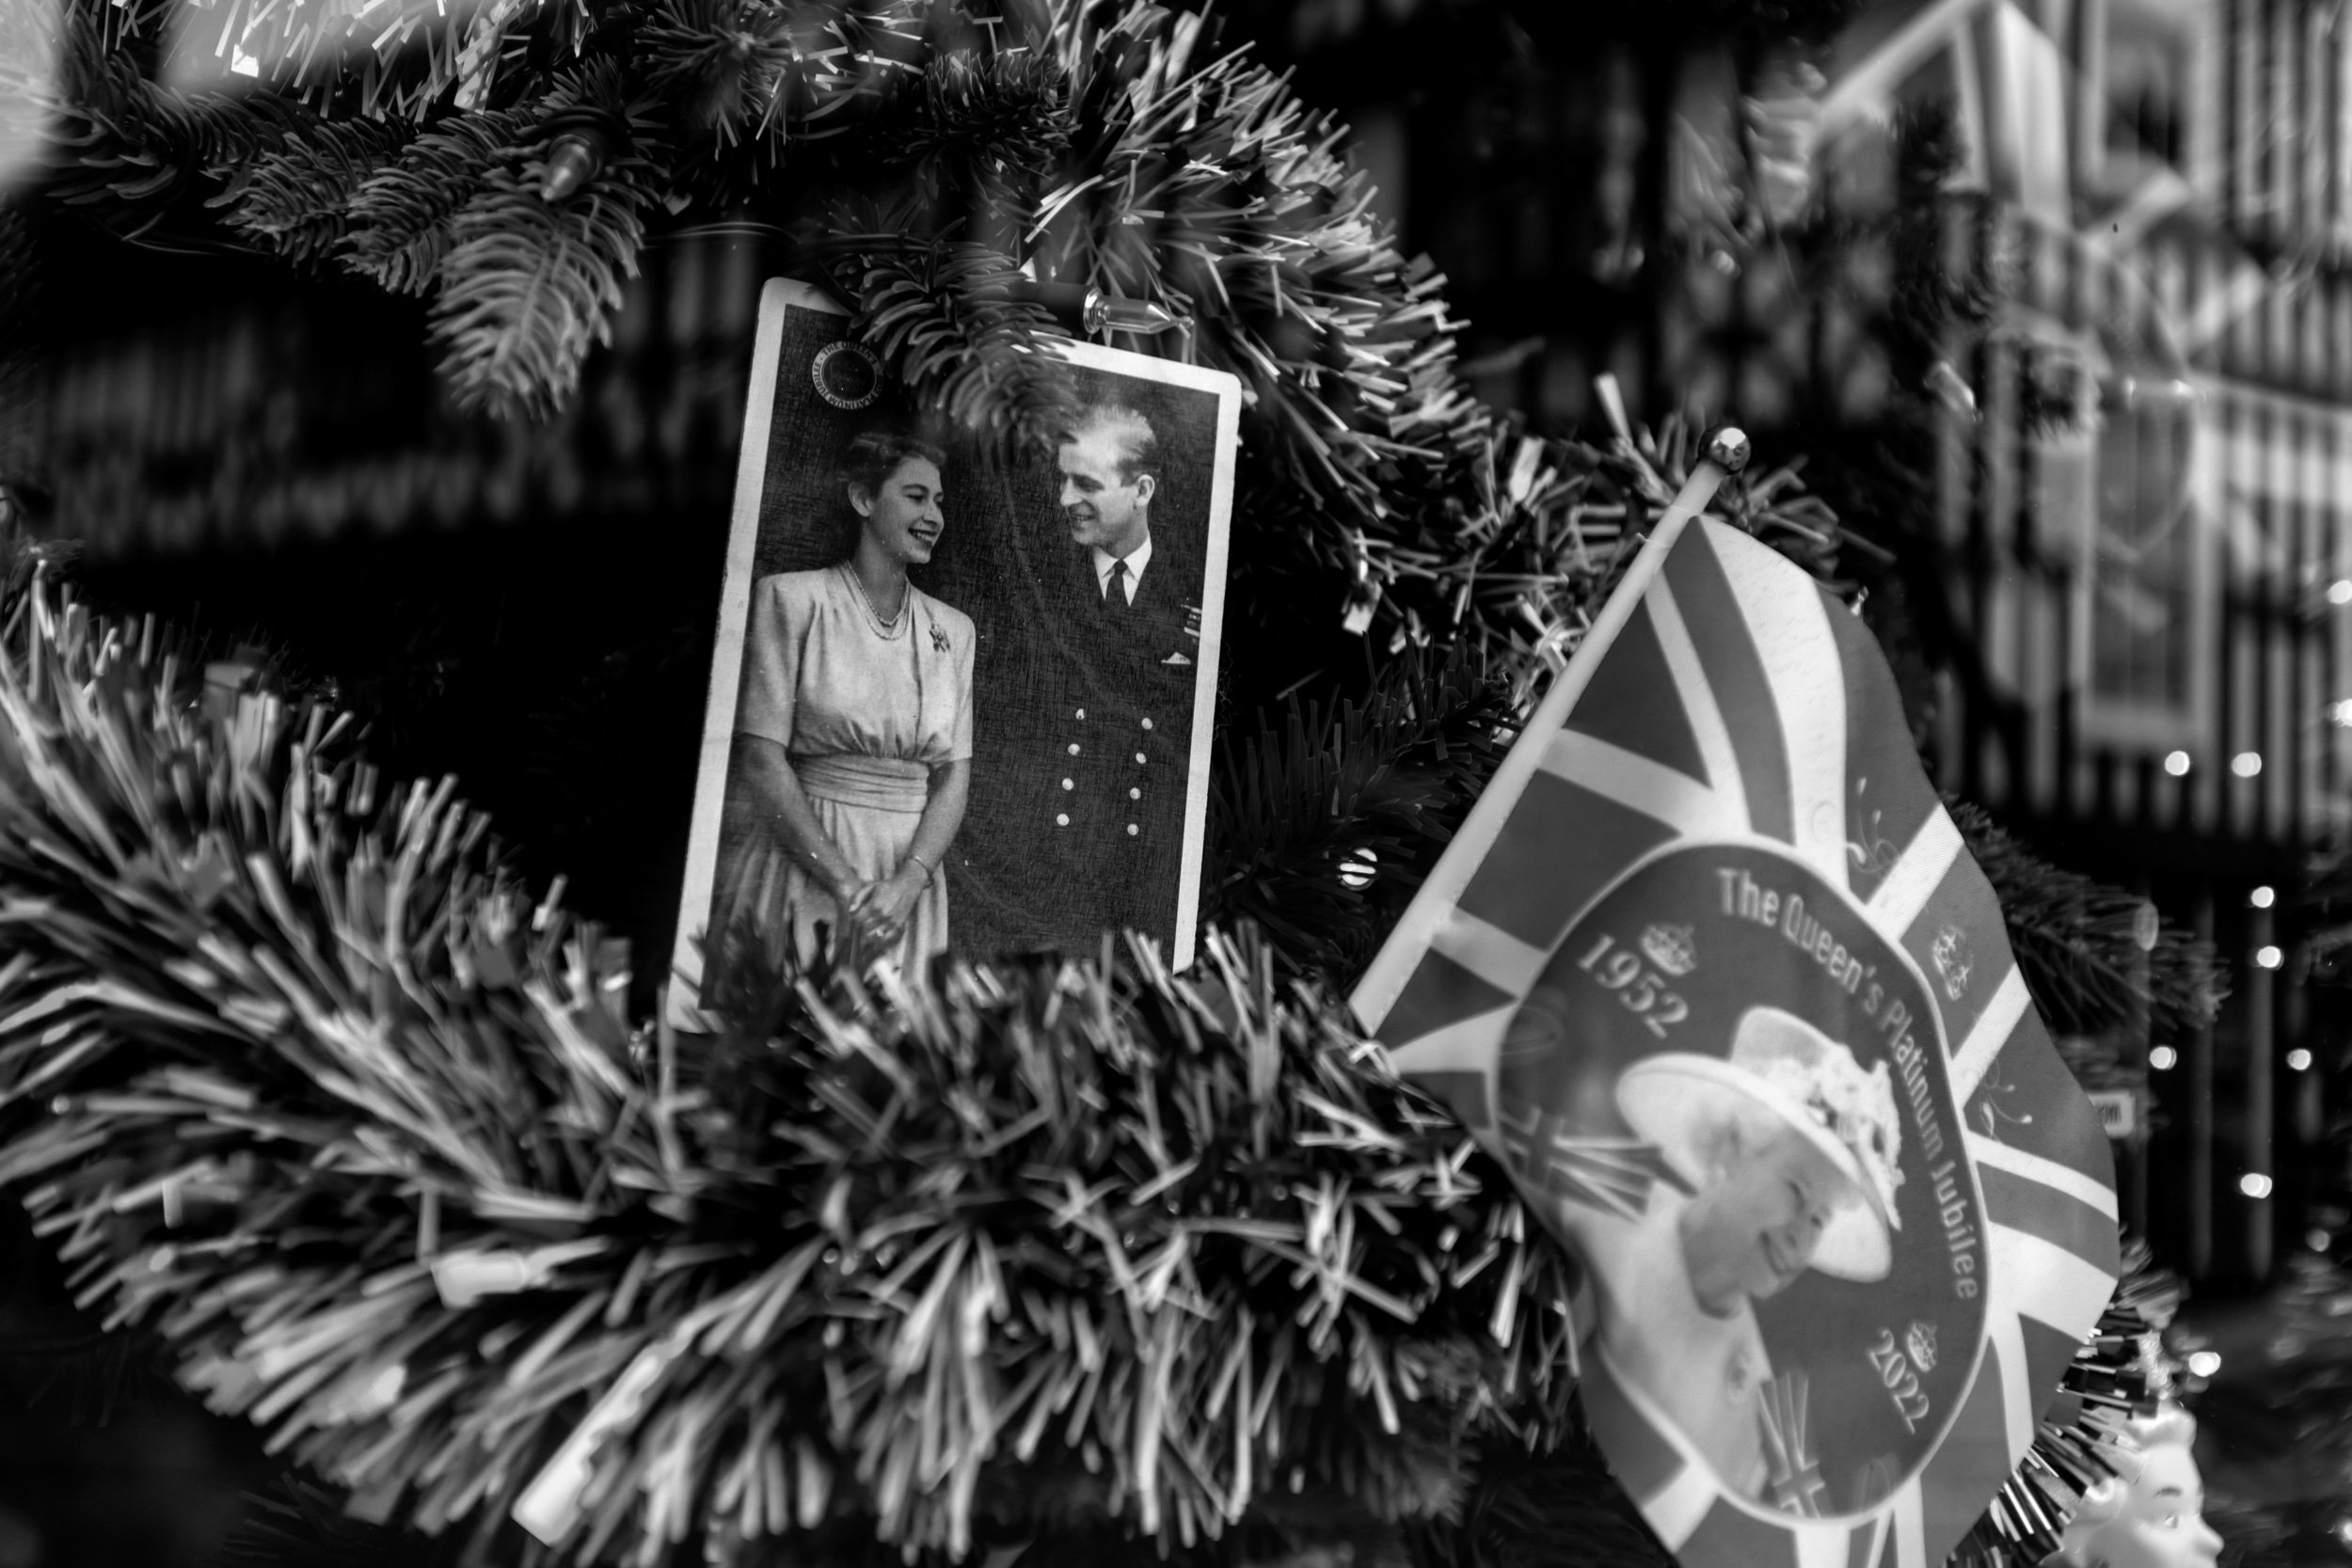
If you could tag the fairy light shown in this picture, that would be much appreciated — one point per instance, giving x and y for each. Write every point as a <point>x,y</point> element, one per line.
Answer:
<point>2246,765</point>
<point>2262,897</point>
<point>2162,1058</point>
<point>2298,1060</point>
<point>2254,1184</point>
<point>2176,764</point>
<point>2340,591</point>
<point>2204,1363</point>
<point>2269,956</point>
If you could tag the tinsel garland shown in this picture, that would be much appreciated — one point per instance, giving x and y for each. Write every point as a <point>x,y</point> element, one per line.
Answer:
<point>232,924</point>
<point>299,1082</point>
<point>295,1079</point>
<point>2122,1368</point>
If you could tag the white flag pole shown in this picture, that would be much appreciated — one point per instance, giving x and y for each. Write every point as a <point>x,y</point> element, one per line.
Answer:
<point>1725,454</point>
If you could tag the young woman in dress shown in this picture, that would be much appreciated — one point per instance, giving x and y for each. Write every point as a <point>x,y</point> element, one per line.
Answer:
<point>853,732</point>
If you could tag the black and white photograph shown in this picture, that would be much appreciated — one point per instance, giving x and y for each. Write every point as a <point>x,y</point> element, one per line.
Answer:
<point>960,701</point>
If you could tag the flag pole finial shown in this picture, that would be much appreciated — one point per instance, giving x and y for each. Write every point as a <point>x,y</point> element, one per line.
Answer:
<point>1728,448</point>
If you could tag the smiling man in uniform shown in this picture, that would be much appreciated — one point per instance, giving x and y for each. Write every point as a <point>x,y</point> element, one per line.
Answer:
<point>1113,772</point>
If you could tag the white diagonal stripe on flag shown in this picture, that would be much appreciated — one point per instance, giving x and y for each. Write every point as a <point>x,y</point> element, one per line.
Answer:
<point>1994,1026</point>
<point>1677,1508</point>
<point>1799,656</point>
<point>1637,784</point>
<point>2019,1408</point>
<point>1875,1547</point>
<point>1675,1512</point>
<point>1489,952</point>
<point>1919,871</point>
<point>2044,1281</point>
<point>1699,708</point>
<point>1822,1544</point>
<point>1910,1526</point>
<point>2033,1167</point>
<point>1466,1045</point>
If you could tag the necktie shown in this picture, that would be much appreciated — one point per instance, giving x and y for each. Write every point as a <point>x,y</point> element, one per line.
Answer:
<point>1116,594</point>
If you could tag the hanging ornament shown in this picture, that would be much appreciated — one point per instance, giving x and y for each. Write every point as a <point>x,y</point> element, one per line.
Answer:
<point>2152,1517</point>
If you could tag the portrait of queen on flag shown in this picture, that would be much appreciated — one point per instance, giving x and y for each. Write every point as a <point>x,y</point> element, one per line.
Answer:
<point>1710,971</point>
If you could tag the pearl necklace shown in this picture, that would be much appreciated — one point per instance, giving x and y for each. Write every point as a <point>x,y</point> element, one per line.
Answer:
<point>886,627</point>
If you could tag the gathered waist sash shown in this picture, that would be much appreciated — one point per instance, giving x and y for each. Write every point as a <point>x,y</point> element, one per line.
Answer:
<point>886,784</point>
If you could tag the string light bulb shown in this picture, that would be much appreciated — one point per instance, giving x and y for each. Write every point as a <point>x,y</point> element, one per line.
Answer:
<point>578,148</point>
<point>1095,312</point>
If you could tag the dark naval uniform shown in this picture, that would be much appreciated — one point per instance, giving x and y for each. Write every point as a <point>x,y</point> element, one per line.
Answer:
<point>1118,739</point>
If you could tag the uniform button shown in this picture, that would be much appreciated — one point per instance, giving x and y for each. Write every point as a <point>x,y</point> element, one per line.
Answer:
<point>1074,748</point>
<point>1130,829</point>
<point>1068,785</point>
<point>1062,820</point>
<point>1139,757</point>
<point>1146,723</point>
<point>1135,794</point>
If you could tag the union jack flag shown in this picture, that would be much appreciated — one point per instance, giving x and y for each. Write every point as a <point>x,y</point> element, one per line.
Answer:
<point>1727,728</point>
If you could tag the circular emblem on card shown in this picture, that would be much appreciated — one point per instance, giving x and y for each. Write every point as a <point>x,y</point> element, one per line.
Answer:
<point>1732,1088</point>
<point>848,375</point>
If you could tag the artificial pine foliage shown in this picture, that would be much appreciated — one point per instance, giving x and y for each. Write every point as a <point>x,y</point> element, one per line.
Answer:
<point>942,315</point>
<point>291,200</point>
<point>395,230</point>
<point>1326,820</point>
<point>2078,944</point>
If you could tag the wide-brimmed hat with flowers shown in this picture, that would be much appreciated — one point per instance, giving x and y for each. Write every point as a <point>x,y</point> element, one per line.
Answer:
<point>1812,1083</point>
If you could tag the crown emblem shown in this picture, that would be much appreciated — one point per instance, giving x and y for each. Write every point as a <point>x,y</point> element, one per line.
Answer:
<point>1953,960</point>
<point>1920,1343</point>
<point>1668,947</point>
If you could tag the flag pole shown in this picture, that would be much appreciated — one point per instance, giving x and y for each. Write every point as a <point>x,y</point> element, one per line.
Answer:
<point>1723,454</point>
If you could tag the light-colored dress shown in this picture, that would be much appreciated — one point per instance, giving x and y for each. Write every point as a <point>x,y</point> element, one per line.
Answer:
<point>865,715</point>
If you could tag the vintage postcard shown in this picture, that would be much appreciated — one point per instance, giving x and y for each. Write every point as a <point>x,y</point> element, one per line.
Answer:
<point>962,700</point>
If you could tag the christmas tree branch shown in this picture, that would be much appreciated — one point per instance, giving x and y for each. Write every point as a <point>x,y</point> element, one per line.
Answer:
<point>398,217</point>
<point>2079,942</point>
<point>295,200</point>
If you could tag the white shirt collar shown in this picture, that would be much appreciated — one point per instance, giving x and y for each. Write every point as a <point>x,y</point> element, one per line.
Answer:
<point>1137,561</point>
